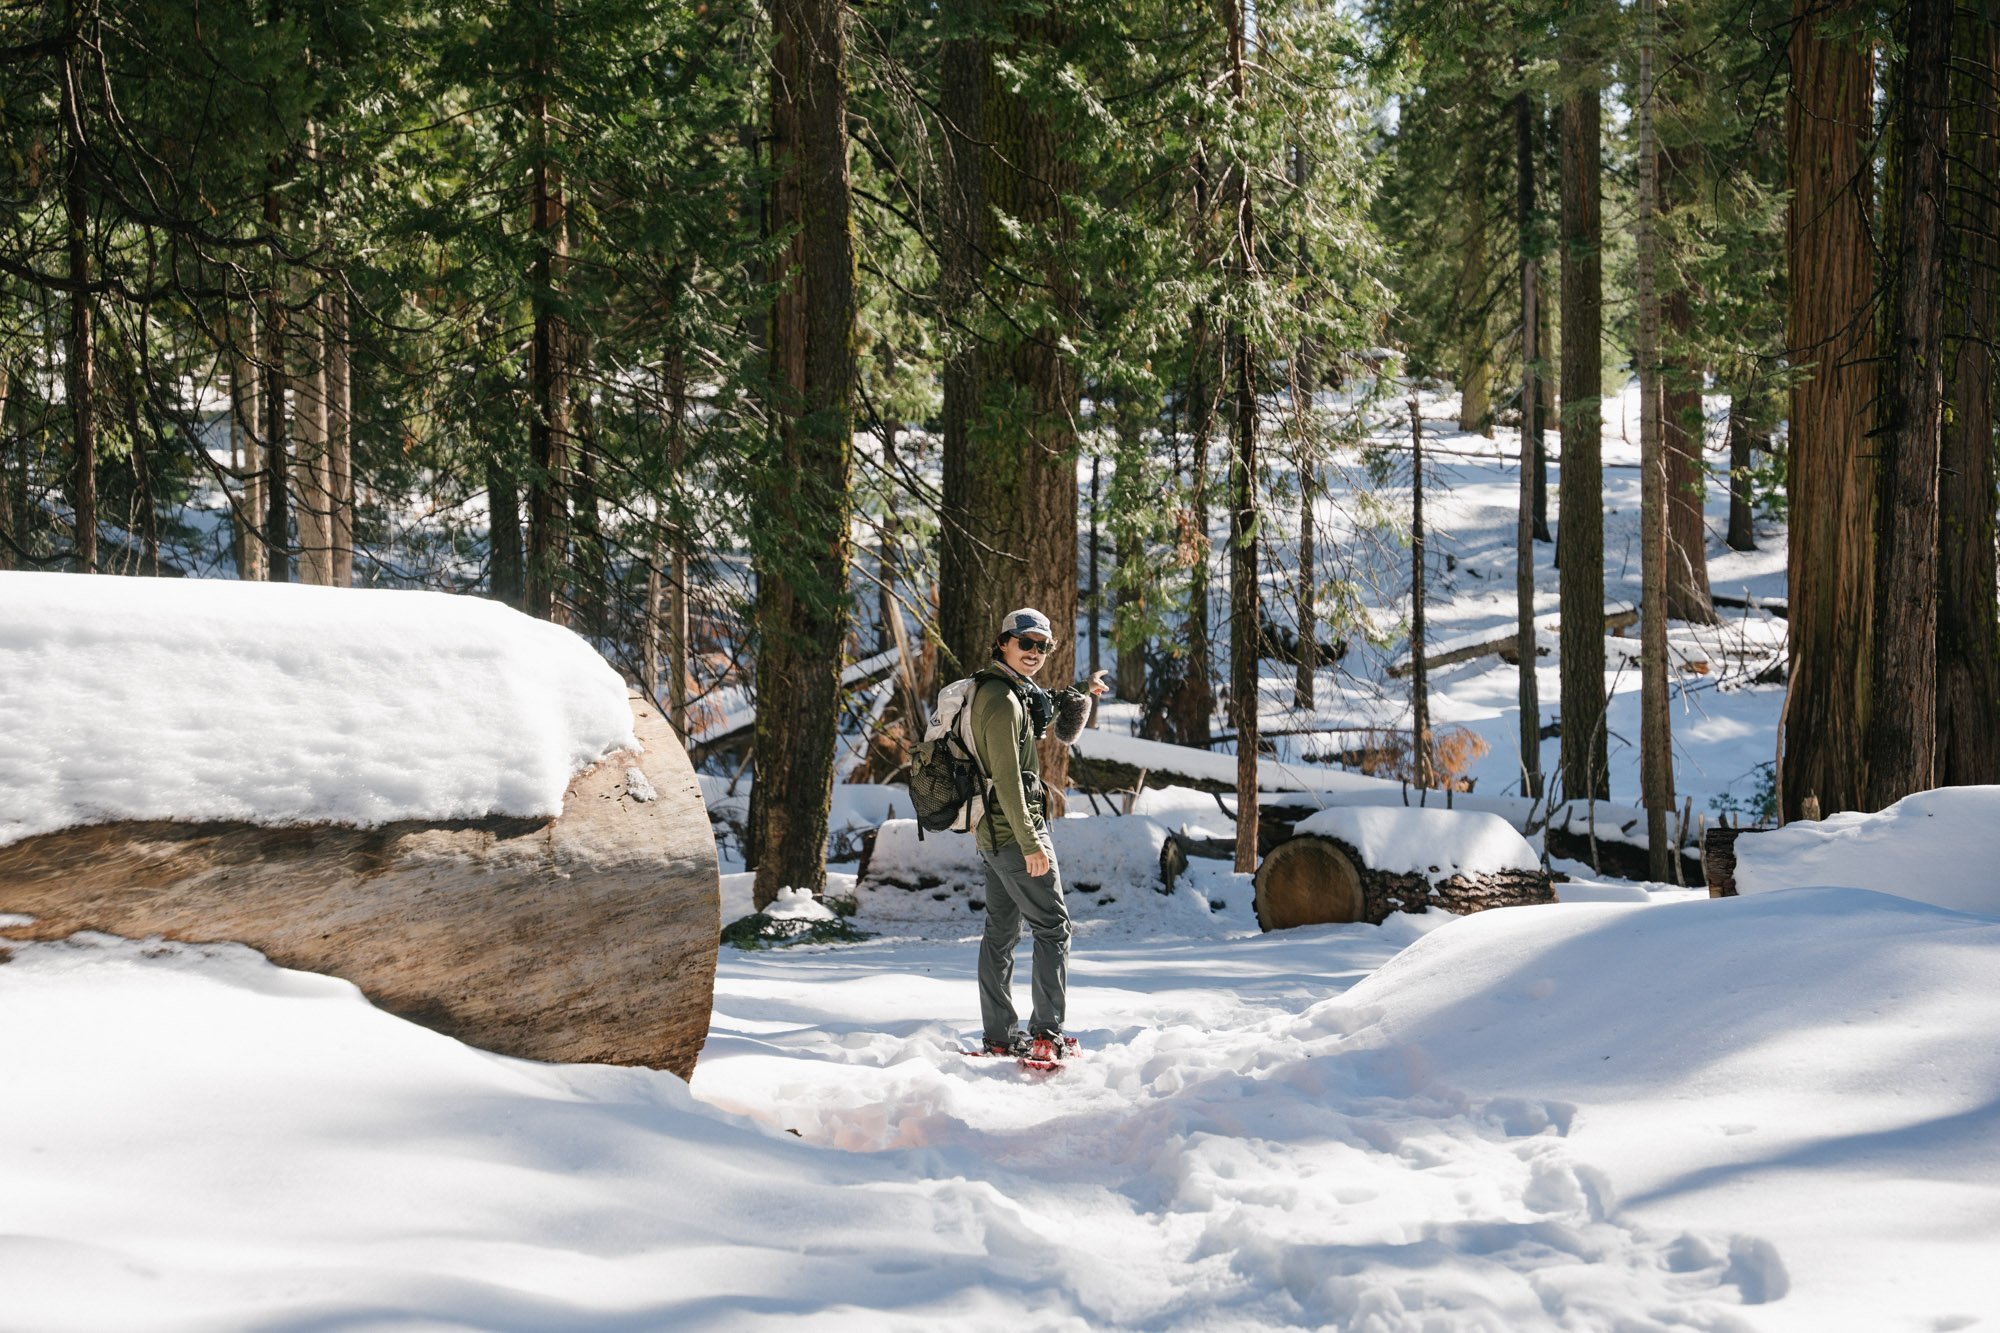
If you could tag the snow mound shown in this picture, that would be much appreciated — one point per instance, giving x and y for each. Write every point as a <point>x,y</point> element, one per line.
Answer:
<point>246,1146</point>
<point>183,699</point>
<point>1940,847</point>
<point>1815,1064</point>
<point>1437,844</point>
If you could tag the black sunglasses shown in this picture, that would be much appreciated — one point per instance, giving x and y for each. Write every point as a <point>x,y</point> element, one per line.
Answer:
<point>1034,645</point>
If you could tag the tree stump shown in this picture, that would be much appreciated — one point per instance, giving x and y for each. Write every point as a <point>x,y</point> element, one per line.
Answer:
<point>589,937</point>
<point>1323,875</point>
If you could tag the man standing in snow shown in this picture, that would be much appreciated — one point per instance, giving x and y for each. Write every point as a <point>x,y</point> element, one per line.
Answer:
<point>1009,713</point>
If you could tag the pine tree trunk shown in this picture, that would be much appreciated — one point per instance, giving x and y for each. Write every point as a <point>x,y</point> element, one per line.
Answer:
<point>677,575</point>
<point>1580,535</point>
<point>1096,580</point>
<point>1655,758</point>
<point>1420,689</point>
<point>1832,481</point>
<point>802,610</point>
<point>1968,639</point>
<point>965,615</point>
<point>1684,433</point>
<point>503,504</point>
<point>1475,401</point>
<point>8,533</point>
<point>340,438</point>
<point>1741,446</point>
<point>277,388</point>
<point>550,442</point>
<point>1524,529</point>
<point>80,354</point>
<point>247,425</point>
<point>1308,620</point>
<point>1193,703</point>
<point>1244,622</point>
<point>1902,727</point>
<point>310,467</point>
<point>588,558</point>
<point>885,551</point>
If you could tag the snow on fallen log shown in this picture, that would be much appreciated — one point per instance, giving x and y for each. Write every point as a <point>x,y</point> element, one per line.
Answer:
<point>191,699</point>
<point>1112,867</point>
<point>1107,761</point>
<point>1361,863</point>
<point>1467,647</point>
<point>1611,839</point>
<point>1937,847</point>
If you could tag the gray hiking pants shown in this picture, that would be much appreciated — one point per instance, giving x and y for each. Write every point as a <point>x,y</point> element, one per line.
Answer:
<point>1012,894</point>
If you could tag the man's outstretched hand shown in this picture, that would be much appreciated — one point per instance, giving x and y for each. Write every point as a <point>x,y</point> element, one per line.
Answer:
<point>1096,684</point>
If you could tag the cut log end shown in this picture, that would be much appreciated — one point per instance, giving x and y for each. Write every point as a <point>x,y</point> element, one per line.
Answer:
<point>1308,881</point>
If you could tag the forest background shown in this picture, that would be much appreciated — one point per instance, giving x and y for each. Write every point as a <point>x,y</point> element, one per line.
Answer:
<point>762,343</point>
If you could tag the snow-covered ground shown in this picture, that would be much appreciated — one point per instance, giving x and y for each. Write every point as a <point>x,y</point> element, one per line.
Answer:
<point>1637,1109</point>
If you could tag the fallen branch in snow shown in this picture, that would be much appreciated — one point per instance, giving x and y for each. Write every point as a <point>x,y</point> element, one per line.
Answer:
<point>1451,654</point>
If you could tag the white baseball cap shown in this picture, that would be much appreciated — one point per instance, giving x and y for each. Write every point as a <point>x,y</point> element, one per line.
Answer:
<point>1027,620</point>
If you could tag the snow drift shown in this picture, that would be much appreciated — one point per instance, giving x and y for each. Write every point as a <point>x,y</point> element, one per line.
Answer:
<point>1940,847</point>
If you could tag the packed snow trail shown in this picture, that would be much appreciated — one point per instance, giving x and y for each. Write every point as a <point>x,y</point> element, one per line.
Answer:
<point>1215,1160</point>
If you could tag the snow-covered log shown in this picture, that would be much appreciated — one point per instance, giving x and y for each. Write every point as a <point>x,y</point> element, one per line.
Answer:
<point>1612,840</point>
<point>457,808</point>
<point>588,937</point>
<point>1361,863</point>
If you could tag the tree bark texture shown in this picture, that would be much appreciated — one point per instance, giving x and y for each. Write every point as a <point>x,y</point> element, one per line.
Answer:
<point>80,354</point>
<point>310,466</point>
<point>1193,702</point>
<point>1524,529</point>
<point>1832,479</point>
<point>1902,726</point>
<point>1682,431</point>
<point>1580,498</point>
<point>247,426</point>
<point>1244,625</point>
<point>550,443</point>
<point>1742,441</point>
<point>1968,703</point>
<point>1010,499</point>
<point>1303,693</point>
<point>340,437</point>
<point>802,605</point>
<point>1656,778</point>
<point>1475,368</point>
<point>277,431</point>
<point>1420,689</point>
<point>677,647</point>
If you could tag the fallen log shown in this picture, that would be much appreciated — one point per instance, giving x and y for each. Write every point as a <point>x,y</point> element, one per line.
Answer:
<point>1615,618</point>
<point>1362,863</point>
<point>588,937</point>
<point>1618,846</point>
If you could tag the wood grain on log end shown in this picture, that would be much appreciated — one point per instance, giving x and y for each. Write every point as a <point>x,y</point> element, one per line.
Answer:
<point>1313,879</point>
<point>589,937</point>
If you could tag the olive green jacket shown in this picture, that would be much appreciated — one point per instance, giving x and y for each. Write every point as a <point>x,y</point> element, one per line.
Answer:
<point>1006,748</point>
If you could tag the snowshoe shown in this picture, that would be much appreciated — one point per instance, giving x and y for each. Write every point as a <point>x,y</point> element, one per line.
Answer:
<point>1047,1054</point>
